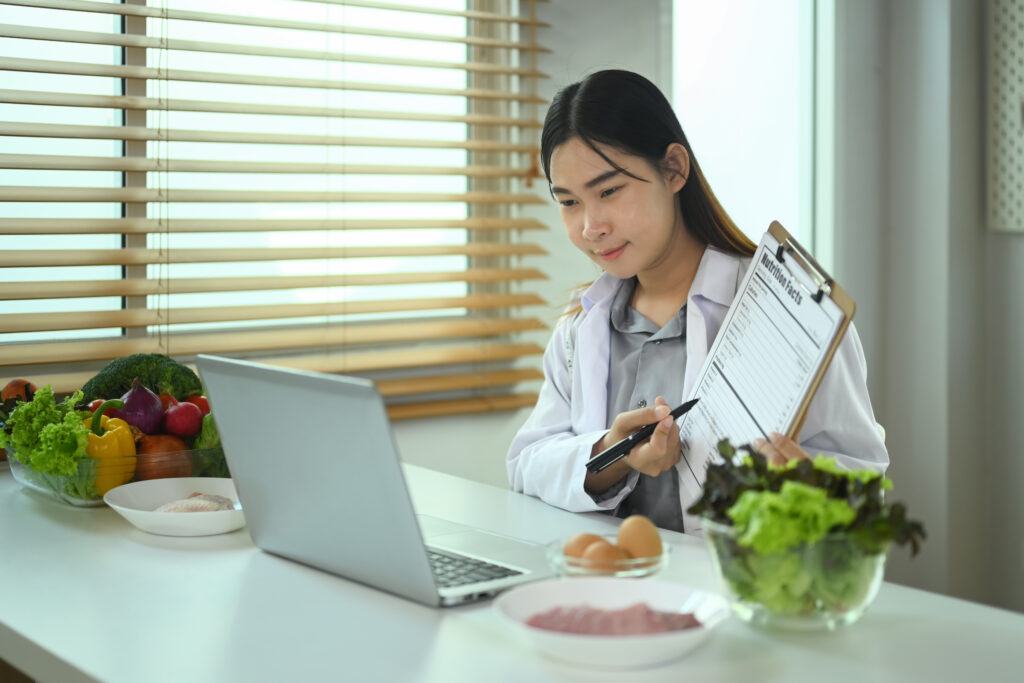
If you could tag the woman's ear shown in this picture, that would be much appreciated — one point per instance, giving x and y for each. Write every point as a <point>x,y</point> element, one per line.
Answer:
<point>676,166</point>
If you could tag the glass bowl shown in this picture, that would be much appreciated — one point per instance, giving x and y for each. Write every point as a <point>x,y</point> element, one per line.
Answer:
<point>824,585</point>
<point>565,565</point>
<point>95,477</point>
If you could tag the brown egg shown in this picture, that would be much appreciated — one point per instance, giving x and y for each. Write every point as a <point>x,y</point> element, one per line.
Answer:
<point>575,546</point>
<point>602,556</point>
<point>639,537</point>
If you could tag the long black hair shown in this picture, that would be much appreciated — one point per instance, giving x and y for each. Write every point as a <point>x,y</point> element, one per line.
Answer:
<point>627,112</point>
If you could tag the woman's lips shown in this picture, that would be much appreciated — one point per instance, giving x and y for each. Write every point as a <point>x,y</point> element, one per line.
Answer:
<point>611,254</point>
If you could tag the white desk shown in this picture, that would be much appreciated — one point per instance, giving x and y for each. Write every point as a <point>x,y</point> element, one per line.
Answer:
<point>85,596</point>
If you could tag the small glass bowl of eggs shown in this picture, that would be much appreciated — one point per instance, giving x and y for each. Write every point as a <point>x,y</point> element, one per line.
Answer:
<point>635,551</point>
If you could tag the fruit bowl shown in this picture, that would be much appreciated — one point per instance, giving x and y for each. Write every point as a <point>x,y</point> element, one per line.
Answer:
<point>567,565</point>
<point>822,585</point>
<point>94,477</point>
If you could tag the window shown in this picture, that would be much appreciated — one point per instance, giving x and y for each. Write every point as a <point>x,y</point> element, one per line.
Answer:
<point>331,185</point>
<point>743,87</point>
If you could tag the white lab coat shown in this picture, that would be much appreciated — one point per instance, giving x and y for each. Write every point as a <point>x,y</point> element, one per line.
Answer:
<point>547,455</point>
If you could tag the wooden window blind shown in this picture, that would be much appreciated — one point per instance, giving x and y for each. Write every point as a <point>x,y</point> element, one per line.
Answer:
<point>331,185</point>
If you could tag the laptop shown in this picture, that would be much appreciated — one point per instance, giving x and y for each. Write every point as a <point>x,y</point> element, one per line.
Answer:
<point>319,477</point>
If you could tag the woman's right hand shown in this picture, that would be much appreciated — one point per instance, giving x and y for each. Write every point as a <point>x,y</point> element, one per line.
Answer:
<point>657,454</point>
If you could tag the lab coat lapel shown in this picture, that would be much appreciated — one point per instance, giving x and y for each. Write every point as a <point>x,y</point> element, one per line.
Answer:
<point>711,293</point>
<point>593,344</point>
<point>696,347</point>
<point>714,287</point>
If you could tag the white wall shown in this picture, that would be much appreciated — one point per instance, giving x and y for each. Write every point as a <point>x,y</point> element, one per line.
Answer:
<point>743,92</point>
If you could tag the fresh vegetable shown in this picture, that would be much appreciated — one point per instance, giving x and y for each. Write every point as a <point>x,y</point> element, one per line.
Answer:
<point>5,409</point>
<point>798,513</point>
<point>18,389</point>
<point>183,418</point>
<point>142,408</point>
<point>769,515</point>
<point>165,456</point>
<point>166,400</point>
<point>209,436</point>
<point>800,537</point>
<point>93,405</point>
<point>156,372</point>
<point>201,401</point>
<point>14,391</point>
<point>110,443</point>
<point>209,456</point>
<point>47,436</point>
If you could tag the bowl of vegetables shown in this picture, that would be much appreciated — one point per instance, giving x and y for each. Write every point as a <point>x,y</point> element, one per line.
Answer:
<point>803,545</point>
<point>76,455</point>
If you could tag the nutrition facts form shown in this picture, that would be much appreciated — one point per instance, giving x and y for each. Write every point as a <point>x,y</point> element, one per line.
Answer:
<point>775,343</point>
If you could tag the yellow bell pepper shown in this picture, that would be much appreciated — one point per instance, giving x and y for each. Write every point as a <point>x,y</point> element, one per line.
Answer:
<point>111,442</point>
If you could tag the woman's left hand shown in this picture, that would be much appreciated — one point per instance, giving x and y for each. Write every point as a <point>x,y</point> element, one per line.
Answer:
<point>780,450</point>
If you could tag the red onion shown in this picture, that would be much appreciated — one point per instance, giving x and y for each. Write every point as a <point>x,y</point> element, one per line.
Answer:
<point>142,408</point>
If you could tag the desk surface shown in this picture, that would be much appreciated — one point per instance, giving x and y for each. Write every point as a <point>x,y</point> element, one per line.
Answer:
<point>85,596</point>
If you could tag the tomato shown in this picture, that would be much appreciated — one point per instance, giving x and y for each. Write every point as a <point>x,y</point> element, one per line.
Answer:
<point>166,400</point>
<point>201,401</point>
<point>96,403</point>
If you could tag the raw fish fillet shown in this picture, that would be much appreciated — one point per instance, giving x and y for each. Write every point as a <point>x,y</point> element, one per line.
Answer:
<point>198,502</point>
<point>636,619</point>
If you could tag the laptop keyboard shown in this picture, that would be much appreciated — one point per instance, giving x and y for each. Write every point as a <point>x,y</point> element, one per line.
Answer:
<point>457,570</point>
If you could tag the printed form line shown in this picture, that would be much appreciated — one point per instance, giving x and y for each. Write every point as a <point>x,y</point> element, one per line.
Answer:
<point>742,402</point>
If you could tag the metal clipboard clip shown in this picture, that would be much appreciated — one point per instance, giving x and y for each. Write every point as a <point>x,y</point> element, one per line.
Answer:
<point>822,279</point>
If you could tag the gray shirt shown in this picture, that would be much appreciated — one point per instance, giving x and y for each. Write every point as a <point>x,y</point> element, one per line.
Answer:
<point>646,362</point>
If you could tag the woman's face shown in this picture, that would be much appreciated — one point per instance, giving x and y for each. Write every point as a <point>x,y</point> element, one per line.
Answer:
<point>627,226</point>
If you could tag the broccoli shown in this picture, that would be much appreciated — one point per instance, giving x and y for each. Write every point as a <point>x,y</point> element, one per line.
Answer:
<point>156,372</point>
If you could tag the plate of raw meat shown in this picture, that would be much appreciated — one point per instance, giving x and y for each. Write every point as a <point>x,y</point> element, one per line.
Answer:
<point>179,506</point>
<point>612,622</point>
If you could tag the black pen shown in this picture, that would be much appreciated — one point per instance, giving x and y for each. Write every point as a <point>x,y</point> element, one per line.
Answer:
<point>621,449</point>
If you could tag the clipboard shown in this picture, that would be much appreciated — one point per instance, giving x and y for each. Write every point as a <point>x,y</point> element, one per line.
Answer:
<point>827,287</point>
<point>771,352</point>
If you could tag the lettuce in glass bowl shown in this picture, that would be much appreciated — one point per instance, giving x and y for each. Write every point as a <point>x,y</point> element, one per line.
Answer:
<point>801,545</point>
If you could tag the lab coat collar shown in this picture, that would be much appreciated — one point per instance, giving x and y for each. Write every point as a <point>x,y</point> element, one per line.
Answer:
<point>714,286</point>
<point>717,277</point>
<point>717,280</point>
<point>602,290</point>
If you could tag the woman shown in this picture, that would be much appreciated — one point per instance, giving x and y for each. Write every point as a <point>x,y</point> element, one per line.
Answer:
<point>633,199</point>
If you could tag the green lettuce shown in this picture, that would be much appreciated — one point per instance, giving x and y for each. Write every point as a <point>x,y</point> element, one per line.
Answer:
<point>208,457</point>
<point>801,537</point>
<point>799,516</point>
<point>798,513</point>
<point>47,436</point>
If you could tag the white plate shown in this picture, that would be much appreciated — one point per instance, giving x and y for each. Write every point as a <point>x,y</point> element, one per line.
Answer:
<point>137,501</point>
<point>519,604</point>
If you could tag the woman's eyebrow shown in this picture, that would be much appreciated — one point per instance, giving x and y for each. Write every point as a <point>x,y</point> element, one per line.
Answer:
<point>590,183</point>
